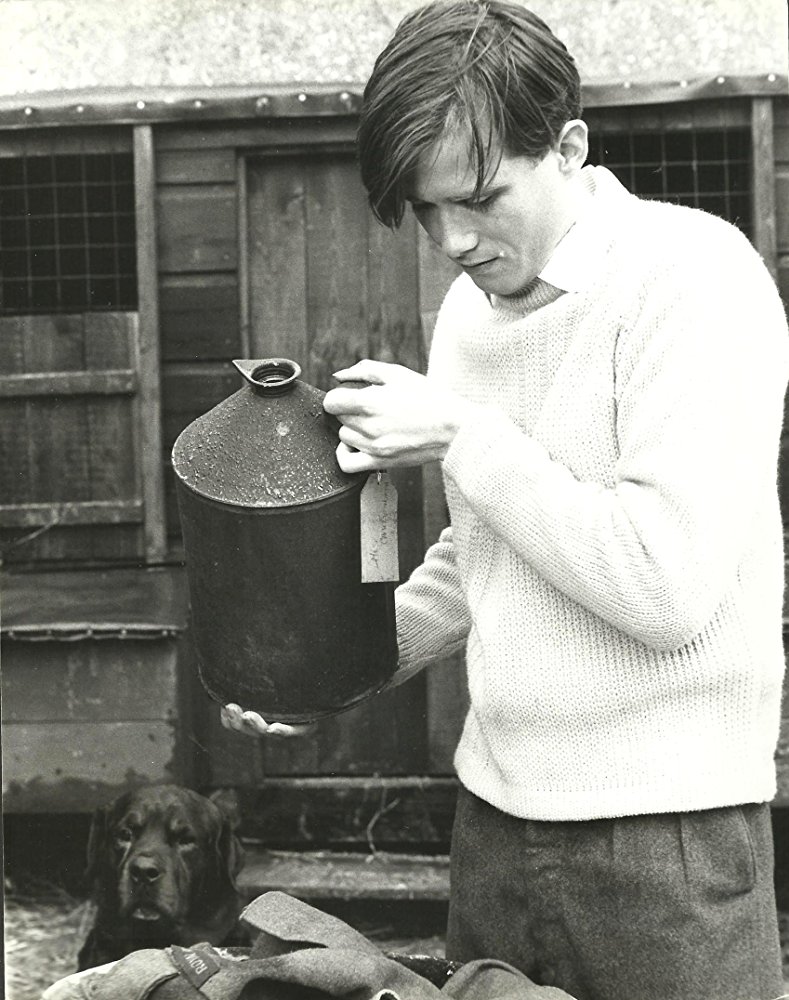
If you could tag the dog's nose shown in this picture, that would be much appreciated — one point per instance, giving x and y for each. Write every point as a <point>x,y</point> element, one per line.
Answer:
<point>144,869</point>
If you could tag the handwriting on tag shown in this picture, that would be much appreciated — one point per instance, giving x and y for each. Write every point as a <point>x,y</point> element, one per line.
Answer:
<point>379,529</point>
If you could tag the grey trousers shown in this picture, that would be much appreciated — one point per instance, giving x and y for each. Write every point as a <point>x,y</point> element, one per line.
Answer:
<point>677,906</point>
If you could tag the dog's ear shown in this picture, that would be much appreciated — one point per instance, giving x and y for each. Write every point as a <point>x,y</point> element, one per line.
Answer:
<point>226,801</point>
<point>98,842</point>
<point>229,852</point>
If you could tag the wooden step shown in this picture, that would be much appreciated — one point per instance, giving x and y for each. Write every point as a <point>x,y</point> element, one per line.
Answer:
<point>329,875</point>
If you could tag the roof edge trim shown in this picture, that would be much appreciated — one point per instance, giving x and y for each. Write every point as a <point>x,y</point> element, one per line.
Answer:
<point>142,106</point>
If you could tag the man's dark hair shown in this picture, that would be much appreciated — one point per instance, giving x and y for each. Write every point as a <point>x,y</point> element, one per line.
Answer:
<point>490,66</point>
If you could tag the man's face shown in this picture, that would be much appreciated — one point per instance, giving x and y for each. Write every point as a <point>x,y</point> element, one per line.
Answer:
<point>504,238</point>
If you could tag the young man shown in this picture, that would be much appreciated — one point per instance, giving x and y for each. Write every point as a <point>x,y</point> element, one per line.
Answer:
<point>605,392</point>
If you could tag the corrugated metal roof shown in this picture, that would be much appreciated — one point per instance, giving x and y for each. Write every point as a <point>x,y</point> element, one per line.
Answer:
<point>61,44</point>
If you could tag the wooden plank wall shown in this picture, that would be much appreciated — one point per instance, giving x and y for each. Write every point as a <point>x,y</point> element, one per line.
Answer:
<point>198,288</point>
<point>68,437</point>
<point>84,720</point>
<point>266,246</point>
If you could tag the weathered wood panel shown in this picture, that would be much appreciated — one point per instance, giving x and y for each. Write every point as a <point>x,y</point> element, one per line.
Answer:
<point>351,813</point>
<point>73,767</point>
<point>436,274</point>
<point>147,405</point>
<point>199,317</point>
<point>781,126</point>
<point>197,166</point>
<point>188,391</point>
<point>275,134</point>
<point>276,279</point>
<point>763,180</point>
<point>197,225</point>
<point>712,114</point>
<point>385,736</point>
<point>337,245</point>
<point>394,293</point>
<point>66,142</point>
<point>331,876</point>
<point>782,200</point>
<point>89,681</point>
<point>327,286</point>
<point>191,390</point>
<point>124,601</point>
<point>70,448</point>
<point>67,513</point>
<point>112,440</point>
<point>197,228</point>
<point>96,683</point>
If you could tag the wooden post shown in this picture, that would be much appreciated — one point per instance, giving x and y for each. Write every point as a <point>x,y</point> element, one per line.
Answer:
<point>150,445</point>
<point>762,144</point>
<point>243,257</point>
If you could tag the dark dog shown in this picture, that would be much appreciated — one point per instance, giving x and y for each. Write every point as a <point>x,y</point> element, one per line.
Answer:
<point>162,861</point>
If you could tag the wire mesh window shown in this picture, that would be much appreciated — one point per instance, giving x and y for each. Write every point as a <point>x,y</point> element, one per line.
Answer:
<point>708,169</point>
<point>67,233</point>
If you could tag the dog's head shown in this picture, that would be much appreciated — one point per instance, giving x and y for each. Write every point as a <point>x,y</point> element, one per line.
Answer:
<point>163,857</point>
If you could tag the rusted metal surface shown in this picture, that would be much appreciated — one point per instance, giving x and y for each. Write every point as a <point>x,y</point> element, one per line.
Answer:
<point>259,450</point>
<point>282,623</point>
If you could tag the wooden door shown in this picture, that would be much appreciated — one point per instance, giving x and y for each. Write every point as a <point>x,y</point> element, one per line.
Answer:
<point>327,285</point>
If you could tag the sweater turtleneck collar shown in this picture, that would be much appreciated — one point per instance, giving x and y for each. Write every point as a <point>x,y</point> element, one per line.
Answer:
<point>535,295</point>
<point>572,265</point>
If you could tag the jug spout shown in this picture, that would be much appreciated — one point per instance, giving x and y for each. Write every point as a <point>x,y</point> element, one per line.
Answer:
<point>269,376</point>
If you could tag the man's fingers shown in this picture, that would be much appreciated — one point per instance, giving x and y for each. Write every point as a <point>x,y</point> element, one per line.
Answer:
<point>345,402</point>
<point>282,729</point>
<point>352,461</point>
<point>253,723</point>
<point>374,372</point>
<point>234,717</point>
<point>230,716</point>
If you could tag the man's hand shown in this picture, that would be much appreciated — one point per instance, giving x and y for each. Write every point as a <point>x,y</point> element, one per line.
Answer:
<point>400,418</point>
<point>250,723</point>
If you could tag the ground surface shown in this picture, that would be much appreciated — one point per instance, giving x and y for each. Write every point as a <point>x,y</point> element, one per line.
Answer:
<point>44,927</point>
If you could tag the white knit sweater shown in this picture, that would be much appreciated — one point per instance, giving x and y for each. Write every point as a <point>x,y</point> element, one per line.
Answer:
<point>614,563</point>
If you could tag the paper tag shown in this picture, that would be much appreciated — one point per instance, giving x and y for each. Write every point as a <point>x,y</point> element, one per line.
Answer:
<point>378,505</point>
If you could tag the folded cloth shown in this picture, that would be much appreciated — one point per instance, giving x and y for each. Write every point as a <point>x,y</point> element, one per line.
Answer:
<point>299,953</point>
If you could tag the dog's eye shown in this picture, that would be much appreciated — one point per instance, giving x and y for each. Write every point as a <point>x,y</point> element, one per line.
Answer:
<point>184,837</point>
<point>123,835</point>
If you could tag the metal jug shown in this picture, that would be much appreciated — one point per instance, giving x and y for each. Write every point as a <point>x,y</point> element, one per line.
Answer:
<point>282,623</point>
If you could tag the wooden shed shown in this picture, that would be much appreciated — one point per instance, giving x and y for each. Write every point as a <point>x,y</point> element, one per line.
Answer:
<point>151,232</point>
